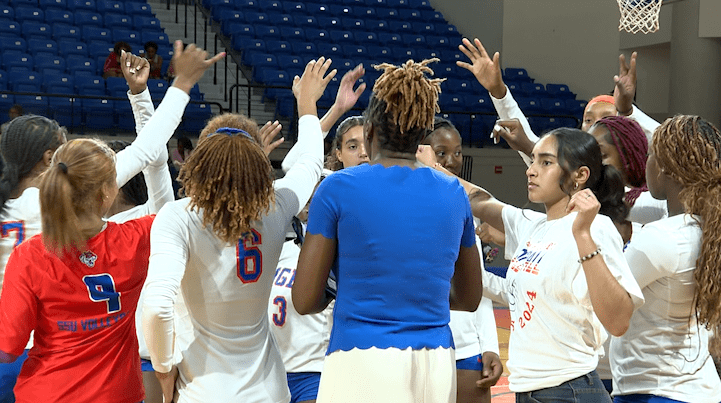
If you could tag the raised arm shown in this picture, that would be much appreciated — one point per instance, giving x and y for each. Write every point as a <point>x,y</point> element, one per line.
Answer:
<point>487,71</point>
<point>624,92</point>
<point>298,183</point>
<point>151,141</point>
<point>611,302</point>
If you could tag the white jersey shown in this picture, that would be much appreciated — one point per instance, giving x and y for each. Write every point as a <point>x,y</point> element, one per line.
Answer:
<point>160,191</point>
<point>20,220</point>
<point>232,356</point>
<point>302,339</point>
<point>475,332</point>
<point>665,350</point>
<point>555,334</point>
<point>646,209</point>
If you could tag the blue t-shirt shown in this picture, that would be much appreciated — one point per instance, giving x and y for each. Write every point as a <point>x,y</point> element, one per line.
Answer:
<point>399,231</point>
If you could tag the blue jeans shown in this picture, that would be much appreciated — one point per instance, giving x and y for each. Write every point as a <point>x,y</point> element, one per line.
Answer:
<point>586,388</point>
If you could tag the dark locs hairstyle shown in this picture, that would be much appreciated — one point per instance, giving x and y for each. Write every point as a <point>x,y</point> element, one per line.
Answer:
<point>688,149</point>
<point>23,144</point>
<point>630,141</point>
<point>403,104</point>
<point>135,191</point>
<point>577,148</point>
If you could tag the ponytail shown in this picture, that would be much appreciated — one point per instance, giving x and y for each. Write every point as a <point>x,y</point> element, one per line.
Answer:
<point>70,187</point>
<point>609,191</point>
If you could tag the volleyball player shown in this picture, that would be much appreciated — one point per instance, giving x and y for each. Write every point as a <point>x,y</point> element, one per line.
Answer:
<point>220,246</point>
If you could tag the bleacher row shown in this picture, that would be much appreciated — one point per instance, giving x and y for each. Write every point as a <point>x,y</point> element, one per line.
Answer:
<point>277,38</point>
<point>59,47</point>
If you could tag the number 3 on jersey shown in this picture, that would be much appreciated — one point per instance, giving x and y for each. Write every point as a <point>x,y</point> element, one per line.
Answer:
<point>250,259</point>
<point>101,287</point>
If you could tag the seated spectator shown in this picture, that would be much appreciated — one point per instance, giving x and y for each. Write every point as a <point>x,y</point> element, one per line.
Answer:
<point>155,60</point>
<point>14,111</point>
<point>111,68</point>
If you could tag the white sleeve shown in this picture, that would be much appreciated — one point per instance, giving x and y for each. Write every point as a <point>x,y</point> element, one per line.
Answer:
<point>143,108</point>
<point>494,287</point>
<point>507,108</point>
<point>292,156</point>
<point>651,255</point>
<point>168,257</point>
<point>157,174</point>
<point>152,139</point>
<point>298,183</point>
<point>486,323</point>
<point>647,123</point>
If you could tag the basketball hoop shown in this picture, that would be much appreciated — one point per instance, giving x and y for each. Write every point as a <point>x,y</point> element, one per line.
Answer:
<point>639,15</point>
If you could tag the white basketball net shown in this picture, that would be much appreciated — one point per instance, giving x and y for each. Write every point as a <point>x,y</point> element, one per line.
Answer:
<point>639,15</point>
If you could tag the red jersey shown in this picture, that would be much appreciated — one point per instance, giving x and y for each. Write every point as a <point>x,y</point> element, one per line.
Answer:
<point>82,309</point>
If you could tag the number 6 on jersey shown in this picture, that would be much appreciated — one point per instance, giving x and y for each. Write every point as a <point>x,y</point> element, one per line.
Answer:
<point>250,259</point>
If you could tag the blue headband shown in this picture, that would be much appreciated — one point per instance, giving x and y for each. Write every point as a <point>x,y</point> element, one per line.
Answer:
<point>231,131</point>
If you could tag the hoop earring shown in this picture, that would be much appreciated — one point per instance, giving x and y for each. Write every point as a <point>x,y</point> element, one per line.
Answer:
<point>575,186</point>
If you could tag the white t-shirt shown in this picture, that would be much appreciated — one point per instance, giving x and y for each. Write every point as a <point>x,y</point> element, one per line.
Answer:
<point>646,209</point>
<point>475,332</point>
<point>555,335</point>
<point>19,220</point>
<point>665,351</point>
<point>226,289</point>
<point>302,339</point>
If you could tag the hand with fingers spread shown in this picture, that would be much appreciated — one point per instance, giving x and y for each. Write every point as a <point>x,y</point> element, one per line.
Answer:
<point>585,203</point>
<point>492,370</point>
<point>514,134</point>
<point>267,133</point>
<point>190,64</point>
<point>345,99</point>
<point>309,88</point>
<point>136,71</point>
<point>486,70</point>
<point>625,82</point>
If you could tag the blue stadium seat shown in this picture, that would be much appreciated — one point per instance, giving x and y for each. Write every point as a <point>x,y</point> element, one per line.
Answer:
<point>366,38</point>
<point>236,30</point>
<point>262,61</point>
<point>77,5</point>
<point>229,19</point>
<point>138,8</point>
<point>453,55</point>
<point>534,90</point>
<point>340,10</point>
<point>196,116</point>
<point>390,39</point>
<point>355,52</point>
<point>10,28</point>
<point>16,45</point>
<point>59,16</point>
<point>281,19</point>
<point>3,81</point>
<point>295,8</point>
<point>32,29</point>
<point>292,34</point>
<point>380,52</point>
<point>78,65</point>
<point>245,4</point>
<point>424,28</point>
<point>62,32</point>
<point>529,106</point>
<point>73,48</point>
<point>292,64</point>
<point>408,14</point>
<point>37,45</point>
<point>450,31</point>
<point>267,32</point>
<point>402,54</point>
<point>433,16</point>
<point>317,10</point>
<point>354,2</point>
<point>124,115</point>
<point>420,4</point>
<point>330,50</point>
<point>6,101</point>
<point>304,21</point>
<point>344,65</point>
<point>554,106</point>
<point>401,27</point>
<point>479,103</point>
<point>341,37</point>
<point>157,87</point>
<point>438,42</point>
<point>378,3</point>
<point>278,47</point>
<point>130,36</point>
<point>98,113</point>
<point>388,14</point>
<point>58,83</point>
<point>285,106</point>
<point>560,91</point>
<point>516,74</point>
<point>274,77</point>
<point>99,48</point>
<point>256,19</point>
<point>397,3</point>
<point>329,22</point>
<point>35,104</point>
<point>250,46</point>
<point>115,21</point>
<point>29,13</point>
<point>155,36</point>
<point>86,17</point>
<point>146,23</point>
<point>270,6</point>
<point>461,87</point>
<point>428,53</point>
<point>576,107</point>
<point>414,40</point>
<point>7,12</point>
<point>90,85</point>
<point>25,81</point>
<point>315,34</point>
<point>116,86</point>
<point>48,64</point>
<point>304,49</point>
<point>110,6</point>
<point>17,61</point>
<point>377,25</point>
<point>451,102</point>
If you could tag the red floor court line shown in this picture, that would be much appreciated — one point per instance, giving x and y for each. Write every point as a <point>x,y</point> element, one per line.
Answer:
<point>500,393</point>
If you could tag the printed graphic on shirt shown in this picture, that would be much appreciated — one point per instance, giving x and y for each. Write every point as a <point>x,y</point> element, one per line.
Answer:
<point>88,258</point>
<point>14,227</point>
<point>530,257</point>
<point>520,306</point>
<point>284,277</point>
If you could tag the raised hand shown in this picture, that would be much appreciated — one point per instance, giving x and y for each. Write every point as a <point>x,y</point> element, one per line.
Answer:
<point>585,203</point>
<point>486,70</point>
<point>625,82</point>
<point>492,370</point>
<point>346,97</point>
<point>267,133</point>
<point>136,70</point>
<point>425,155</point>
<point>489,234</point>
<point>309,88</point>
<point>190,64</point>
<point>512,131</point>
